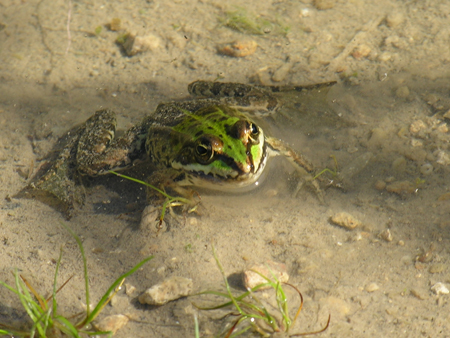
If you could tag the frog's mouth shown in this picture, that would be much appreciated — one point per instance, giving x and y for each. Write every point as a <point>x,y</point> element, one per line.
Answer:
<point>232,179</point>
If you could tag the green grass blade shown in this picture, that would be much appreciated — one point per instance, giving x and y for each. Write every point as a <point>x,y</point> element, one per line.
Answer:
<point>66,326</point>
<point>104,299</point>
<point>222,271</point>
<point>55,280</point>
<point>85,271</point>
<point>141,182</point>
<point>31,307</point>
<point>197,331</point>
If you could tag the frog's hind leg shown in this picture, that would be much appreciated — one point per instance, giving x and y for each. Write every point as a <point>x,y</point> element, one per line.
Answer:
<point>301,164</point>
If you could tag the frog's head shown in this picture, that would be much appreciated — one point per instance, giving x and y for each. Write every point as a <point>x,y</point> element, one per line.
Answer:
<point>221,148</point>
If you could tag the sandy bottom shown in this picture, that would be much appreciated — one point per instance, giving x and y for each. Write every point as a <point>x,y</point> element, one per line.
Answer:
<point>385,125</point>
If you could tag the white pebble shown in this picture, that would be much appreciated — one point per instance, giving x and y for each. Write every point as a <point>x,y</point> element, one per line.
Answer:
<point>439,289</point>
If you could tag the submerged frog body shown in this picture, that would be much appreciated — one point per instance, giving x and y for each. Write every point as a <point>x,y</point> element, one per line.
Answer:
<point>211,142</point>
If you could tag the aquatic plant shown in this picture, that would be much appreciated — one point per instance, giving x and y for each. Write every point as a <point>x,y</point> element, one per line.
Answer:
<point>252,314</point>
<point>43,312</point>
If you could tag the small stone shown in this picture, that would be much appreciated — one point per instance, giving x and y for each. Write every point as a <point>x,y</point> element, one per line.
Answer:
<point>402,92</point>
<point>372,287</point>
<point>361,52</point>
<point>380,185</point>
<point>386,235</point>
<point>446,115</point>
<point>345,220</point>
<point>281,73</point>
<point>440,289</point>
<point>417,126</point>
<point>336,306</point>
<point>252,279</point>
<point>378,137</point>
<point>401,243</point>
<point>416,143</point>
<point>170,289</point>
<point>385,56</point>
<point>443,158</point>
<point>419,294</point>
<point>394,19</point>
<point>444,197</point>
<point>112,323</point>
<point>130,290</point>
<point>324,4</point>
<point>134,44</point>
<point>401,188</point>
<point>238,48</point>
<point>437,268</point>
<point>115,24</point>
<point>442,128</point>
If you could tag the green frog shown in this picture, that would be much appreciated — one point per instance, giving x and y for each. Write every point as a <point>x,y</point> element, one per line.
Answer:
<point>211,141</point>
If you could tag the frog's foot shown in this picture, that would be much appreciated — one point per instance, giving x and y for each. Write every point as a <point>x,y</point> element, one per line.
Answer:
<point>305,179</point>
<point>163,188</point>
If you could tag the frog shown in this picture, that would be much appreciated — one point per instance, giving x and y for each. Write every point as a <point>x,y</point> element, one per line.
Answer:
<point>211,141</point>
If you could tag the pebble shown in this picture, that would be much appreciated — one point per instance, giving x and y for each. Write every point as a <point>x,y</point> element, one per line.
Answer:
<point>238,48</point>
<point>440,289</point>
<point>372,287</point>
<point>417,126</point>
<point>444,197</point>
<point>380,185</point>
<point>401,188</point>
<point>130,290</point>
<point>378,137</point>
<point>386,235</point>
<point>336,306</point>
<point>115,24</point>
<point>394,19</point>
<point>419,294</point>
<point>345,220</point>
<point>135,44</point>
<point>252,279</point>
<point>324,4</point>
<point>402,92</point>
<point>385,56</point>
<point>112,323</point>
<point>447,115</point>
<point>399,165</point>
<point>170,289</point>
<point>361,52</point>
<point>442,158</point>
<point>437,268</point>
<point>281,73</point>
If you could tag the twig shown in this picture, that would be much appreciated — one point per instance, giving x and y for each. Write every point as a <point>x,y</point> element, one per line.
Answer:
<point>355,41</point>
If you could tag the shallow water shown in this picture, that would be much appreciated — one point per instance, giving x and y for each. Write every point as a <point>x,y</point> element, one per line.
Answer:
<point>370,126</point>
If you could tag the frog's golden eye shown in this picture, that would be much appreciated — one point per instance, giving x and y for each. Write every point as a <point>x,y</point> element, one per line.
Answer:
<point>204,151</point>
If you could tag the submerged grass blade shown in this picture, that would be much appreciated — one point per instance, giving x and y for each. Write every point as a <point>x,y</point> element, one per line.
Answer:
<point>85,271</point>
<point>104,300</point>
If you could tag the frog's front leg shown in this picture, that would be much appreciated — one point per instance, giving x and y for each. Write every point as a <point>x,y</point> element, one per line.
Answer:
<point>301,164</point>
<point>98,151</point>
<point>90,150</point>
<point>163,185</point>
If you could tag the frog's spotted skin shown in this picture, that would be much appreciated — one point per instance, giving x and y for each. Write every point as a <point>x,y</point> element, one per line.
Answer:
<point>209,142</point>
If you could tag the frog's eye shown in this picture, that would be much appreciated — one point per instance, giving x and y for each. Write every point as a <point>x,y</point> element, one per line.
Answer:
<point>204,151</point>
<point>254,130</point>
